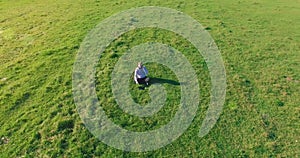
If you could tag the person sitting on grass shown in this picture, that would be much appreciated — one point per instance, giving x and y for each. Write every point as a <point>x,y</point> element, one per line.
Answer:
<point>140,74</point>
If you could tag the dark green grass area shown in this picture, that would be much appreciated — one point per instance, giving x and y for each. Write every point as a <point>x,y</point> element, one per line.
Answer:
<point>259,43</point>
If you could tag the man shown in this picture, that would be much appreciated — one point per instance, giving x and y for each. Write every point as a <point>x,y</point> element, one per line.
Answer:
<point>140,74</point>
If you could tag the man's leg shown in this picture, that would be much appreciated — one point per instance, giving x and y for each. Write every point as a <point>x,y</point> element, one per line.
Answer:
<point>144,81</point>
<point>141,81</point>
<point>147,81</point>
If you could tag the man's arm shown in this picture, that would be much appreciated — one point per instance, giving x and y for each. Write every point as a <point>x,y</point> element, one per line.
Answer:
<point>135,78</point>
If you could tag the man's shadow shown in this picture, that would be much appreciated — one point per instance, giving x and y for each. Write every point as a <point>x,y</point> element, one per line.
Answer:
<point>161,81</point>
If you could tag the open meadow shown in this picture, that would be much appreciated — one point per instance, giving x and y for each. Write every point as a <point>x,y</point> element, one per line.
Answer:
<point>259,42</point>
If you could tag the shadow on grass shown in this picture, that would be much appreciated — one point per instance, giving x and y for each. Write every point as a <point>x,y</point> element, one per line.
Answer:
<point>161,81</point>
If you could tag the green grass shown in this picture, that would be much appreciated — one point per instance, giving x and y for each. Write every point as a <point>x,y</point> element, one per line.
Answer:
<point>259,43</point>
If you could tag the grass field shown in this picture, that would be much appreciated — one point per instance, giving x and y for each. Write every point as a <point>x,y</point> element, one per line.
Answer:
<point>259,43</point>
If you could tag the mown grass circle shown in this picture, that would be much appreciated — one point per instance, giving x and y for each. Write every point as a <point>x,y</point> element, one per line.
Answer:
<point>111,28</point>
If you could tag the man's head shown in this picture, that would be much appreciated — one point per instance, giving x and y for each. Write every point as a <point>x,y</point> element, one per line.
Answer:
<point>140,65</point>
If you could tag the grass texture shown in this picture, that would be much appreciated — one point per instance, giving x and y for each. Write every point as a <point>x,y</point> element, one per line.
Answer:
<point>259,43</point>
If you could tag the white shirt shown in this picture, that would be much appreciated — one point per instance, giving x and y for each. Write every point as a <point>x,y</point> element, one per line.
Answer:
<point>140,73</point>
